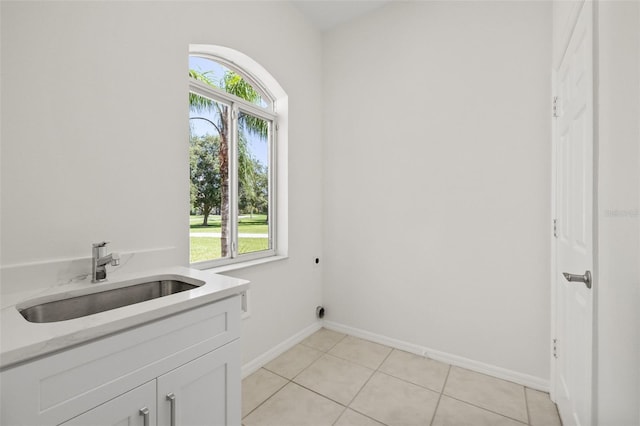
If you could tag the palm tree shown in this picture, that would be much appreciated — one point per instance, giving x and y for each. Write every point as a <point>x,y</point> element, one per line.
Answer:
<point>247,125</point>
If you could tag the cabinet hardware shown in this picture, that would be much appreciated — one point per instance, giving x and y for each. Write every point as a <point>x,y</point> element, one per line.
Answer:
<point>171,397</point>
<point>144,412</point>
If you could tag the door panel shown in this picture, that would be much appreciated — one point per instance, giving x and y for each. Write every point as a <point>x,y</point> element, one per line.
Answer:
<point>573,145</point>
<point>205,391</point>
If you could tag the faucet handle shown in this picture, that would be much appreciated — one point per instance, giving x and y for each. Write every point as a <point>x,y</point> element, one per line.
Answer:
<point>101,244</point>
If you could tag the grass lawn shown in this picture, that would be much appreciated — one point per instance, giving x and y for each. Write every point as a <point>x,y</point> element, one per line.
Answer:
<point>257,224</point>
<point>208,248</point>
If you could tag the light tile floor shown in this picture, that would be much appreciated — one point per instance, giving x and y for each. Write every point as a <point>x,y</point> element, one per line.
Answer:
<point>334,379</point>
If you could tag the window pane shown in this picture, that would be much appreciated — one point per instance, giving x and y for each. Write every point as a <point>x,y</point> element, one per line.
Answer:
<point>217,75</point>
<point>209,134</point>
<point>253,183</point>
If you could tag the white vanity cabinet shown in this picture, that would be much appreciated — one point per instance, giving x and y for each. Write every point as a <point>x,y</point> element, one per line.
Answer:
<point>181,370</point>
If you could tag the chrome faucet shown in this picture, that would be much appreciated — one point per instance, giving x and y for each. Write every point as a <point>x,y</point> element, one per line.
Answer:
<point>100,261</point>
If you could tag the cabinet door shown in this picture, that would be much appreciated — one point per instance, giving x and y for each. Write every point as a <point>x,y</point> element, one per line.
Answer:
<point>134,408</point>
<point>205,391</point>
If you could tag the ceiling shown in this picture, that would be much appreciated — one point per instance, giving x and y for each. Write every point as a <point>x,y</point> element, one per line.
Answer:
<point>326,14</point>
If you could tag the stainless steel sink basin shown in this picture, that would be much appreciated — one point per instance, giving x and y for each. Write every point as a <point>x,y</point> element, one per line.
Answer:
<point>80,306</point>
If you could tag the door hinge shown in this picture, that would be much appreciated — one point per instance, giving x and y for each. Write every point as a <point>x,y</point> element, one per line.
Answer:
<point>555,348</point>
<point>555,107</point>
<point>555,228</point>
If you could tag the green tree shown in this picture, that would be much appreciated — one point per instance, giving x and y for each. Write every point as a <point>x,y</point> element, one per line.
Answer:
<point>254,188</point>
<point>204,162</point>
<point>247,125</point>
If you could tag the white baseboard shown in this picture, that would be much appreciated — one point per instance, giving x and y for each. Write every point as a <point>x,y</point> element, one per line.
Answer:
<point>255,364</point>
<point>480,367</point>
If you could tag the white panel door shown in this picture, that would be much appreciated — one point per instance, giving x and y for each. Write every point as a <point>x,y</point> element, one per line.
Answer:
<point>573,144</point>
<point>134,408</point>
<point>205,391</point>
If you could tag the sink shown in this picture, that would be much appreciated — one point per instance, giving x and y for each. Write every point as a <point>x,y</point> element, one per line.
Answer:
<point>87,304</point>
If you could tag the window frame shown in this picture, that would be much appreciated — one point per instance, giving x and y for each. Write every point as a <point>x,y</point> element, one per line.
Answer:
<point>267,113</point>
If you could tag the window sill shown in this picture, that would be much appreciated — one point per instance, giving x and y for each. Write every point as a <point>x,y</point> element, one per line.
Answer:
<point>241,265</point>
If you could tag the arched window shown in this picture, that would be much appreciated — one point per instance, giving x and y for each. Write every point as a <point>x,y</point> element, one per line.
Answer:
<point>233,127</point>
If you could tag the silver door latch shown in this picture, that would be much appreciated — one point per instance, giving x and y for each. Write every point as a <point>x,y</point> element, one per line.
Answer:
<point>573,278</point>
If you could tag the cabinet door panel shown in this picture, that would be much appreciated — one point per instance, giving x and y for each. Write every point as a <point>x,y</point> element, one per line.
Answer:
<point>206,391</point>
<point>124,410</point>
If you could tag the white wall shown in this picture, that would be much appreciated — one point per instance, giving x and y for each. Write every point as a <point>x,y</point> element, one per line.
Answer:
<point>618,279</point>
<point>437,179</point>
<point>95,145</point>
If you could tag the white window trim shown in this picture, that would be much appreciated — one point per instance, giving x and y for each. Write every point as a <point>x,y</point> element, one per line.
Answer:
<point>276,250</point>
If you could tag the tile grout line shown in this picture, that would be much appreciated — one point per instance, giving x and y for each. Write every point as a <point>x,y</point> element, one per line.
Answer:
<point>348,362</point>
<point>373,372</point>
<point>435,411</point>
<point>324,352</point>
<point>357,363</point>
<point>526,422</point>
<point>344,336</point>
<point>277,374</point>
<point>346,407</point>
<point>291,380</point>
<point>385,359</point>
<point>341,414</point>
<point>377,370</point>
<point>269,397</point>
<point>318,393</point>
<point>526,403</point>
<point>420,385</point>
<point>367,416</point>
<point>486,409</point>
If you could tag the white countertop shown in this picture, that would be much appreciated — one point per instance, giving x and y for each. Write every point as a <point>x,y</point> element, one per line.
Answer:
<point>21,340</point>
